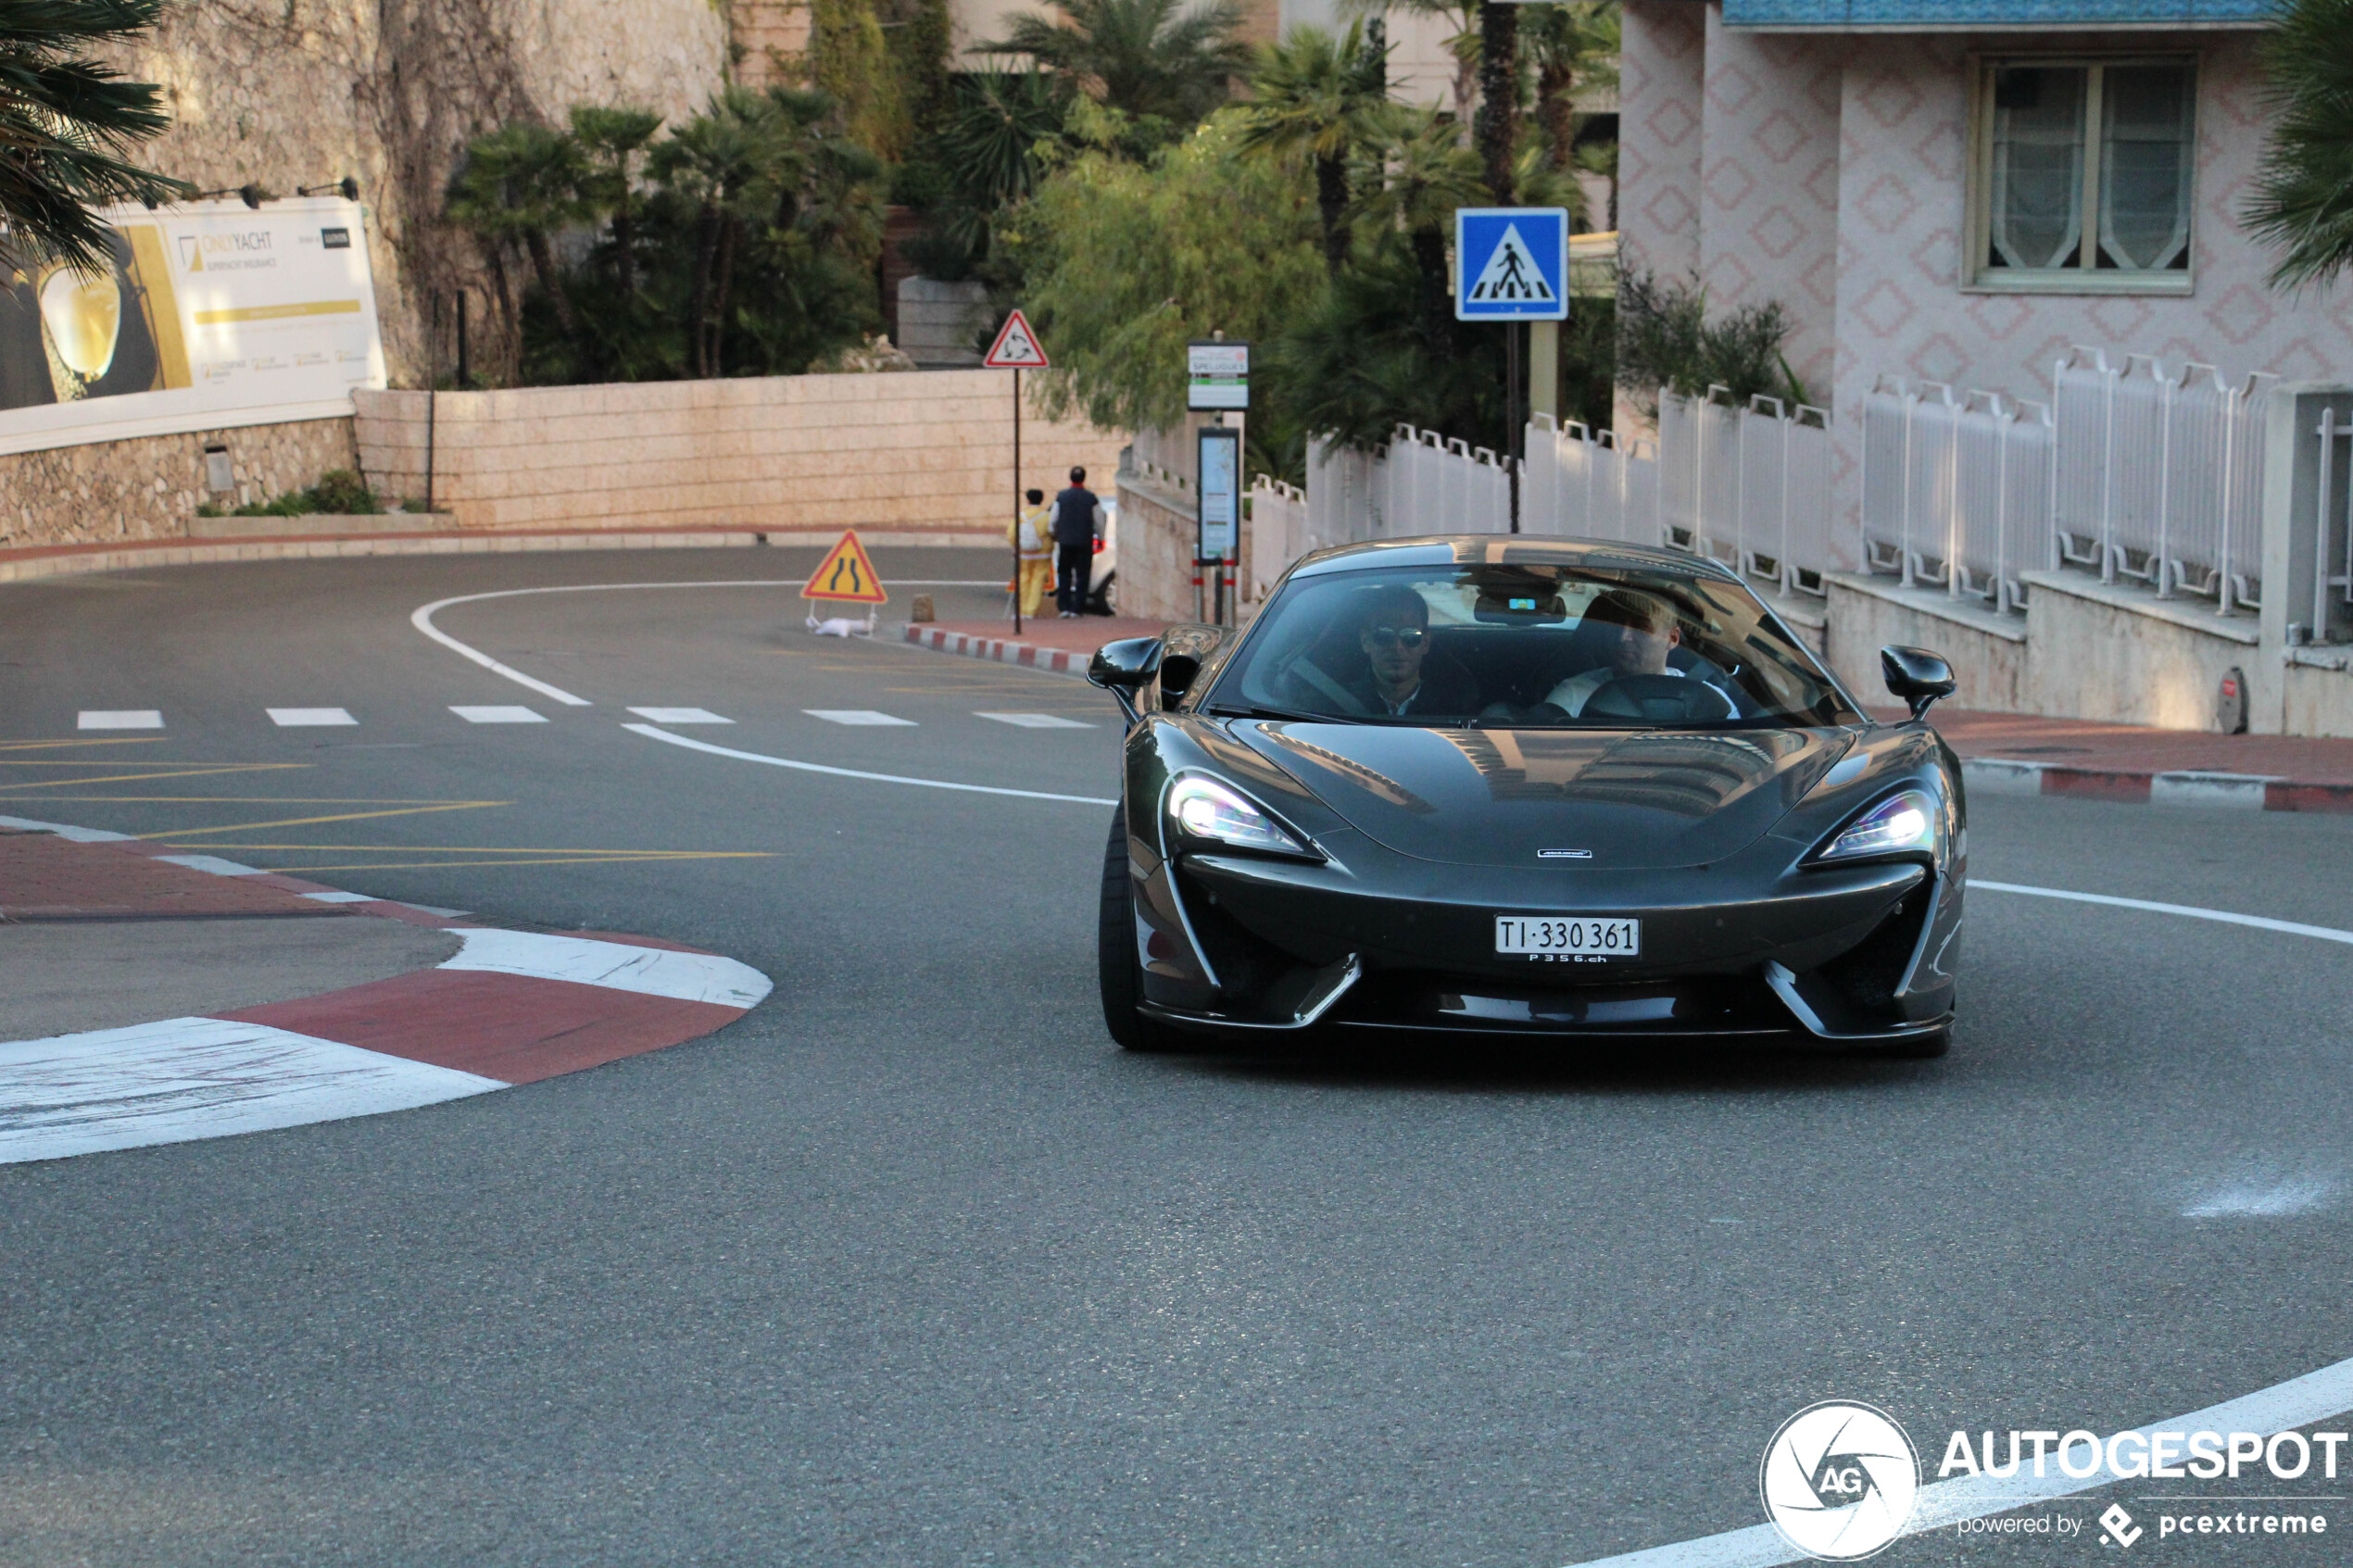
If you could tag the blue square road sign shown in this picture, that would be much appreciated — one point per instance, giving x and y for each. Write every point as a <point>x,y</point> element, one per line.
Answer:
<point>1511,264</point>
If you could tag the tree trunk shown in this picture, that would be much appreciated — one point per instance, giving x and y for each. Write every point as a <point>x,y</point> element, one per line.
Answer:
<point>1331,203</point>
<point>1433,308</point>
<point>1555,112</point>
<point>1498,95</point>
<point>727,226</point>
<point>698,293</point>
<point>543,261</point>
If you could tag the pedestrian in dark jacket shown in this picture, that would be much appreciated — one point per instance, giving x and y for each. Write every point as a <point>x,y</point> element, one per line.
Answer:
<point>1078,522</point>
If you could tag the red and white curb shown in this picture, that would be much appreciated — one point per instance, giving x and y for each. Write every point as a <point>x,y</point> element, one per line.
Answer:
<point>1004,650</point>
<point>511,1006</point>
<point>2244,792</point>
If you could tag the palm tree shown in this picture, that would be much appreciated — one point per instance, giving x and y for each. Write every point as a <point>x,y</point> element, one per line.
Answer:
<point>610,141</point>
<point>1416,177</point>
<point>1159,57</point>
<point>2303,201</point>
<point>723,164</point>
<point>66,125</point>
<point>522,184</point>
<point>1324,97</point>
<point>1574,46</point>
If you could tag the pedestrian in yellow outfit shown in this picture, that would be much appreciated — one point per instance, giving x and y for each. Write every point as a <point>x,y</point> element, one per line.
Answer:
<point>1032,539</point>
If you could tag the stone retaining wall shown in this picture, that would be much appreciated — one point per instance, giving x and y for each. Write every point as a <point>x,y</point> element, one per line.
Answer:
<point>149,488</point>
<point>912,449</point>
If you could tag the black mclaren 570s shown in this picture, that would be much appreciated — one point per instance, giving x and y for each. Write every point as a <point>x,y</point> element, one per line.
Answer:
<point>1529,788</point>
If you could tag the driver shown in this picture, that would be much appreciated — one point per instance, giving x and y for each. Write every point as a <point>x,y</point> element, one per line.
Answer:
<point>1645,630</point>
<point>1401,677</point>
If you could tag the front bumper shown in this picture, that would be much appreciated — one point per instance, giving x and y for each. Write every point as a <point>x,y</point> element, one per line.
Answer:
<point>1852,954</point>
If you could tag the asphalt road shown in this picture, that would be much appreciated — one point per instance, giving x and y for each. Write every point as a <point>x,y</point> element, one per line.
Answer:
<point>912,1266</point>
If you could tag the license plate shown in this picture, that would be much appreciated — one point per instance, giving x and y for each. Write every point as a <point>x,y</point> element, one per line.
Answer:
<point>1567,936</point>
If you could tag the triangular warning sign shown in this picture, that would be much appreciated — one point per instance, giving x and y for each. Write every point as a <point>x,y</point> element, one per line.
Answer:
<point>846,573</point>
<point>1016,347</point>
<point>1511,275</point>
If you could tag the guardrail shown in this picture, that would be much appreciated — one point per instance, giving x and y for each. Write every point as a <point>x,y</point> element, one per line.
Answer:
<point>1956,493</point>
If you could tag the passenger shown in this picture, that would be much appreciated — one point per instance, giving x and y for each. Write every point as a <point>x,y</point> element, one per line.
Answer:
<point>1402,678</point>
<point>1645,629</point>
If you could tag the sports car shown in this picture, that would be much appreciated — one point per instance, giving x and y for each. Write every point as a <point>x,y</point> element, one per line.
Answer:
<point>1506,786</point>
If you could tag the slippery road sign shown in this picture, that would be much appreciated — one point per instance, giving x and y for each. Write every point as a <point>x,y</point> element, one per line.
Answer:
<point>846,573</point>
<point>1511,264</point>
<point>1016,347</point>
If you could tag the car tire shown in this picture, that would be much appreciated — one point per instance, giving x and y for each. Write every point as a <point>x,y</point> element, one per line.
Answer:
<point>1120,977</point>
<point>1104,600</point>
<point>1919,1048</point>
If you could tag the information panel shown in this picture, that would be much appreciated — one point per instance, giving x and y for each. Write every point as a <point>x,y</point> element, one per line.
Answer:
<point>211,315</point>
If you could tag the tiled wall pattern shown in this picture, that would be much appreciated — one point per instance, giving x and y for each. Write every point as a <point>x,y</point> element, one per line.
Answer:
<point>1769,184</point>
<point>1757,212</point>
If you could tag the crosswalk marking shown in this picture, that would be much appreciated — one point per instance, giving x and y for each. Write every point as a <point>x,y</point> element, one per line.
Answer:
<point>855,716</point>
<point>118,718</point>
<point>498,715</point>
<point>1036,721</point>
<point>309,718</point>
<point>679,716</point>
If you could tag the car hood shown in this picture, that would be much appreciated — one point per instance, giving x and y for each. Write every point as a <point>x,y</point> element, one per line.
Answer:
<point>1497,797</point>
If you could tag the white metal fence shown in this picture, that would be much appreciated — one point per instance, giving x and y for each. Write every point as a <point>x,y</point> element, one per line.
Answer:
<point>1748,485</point>
<point>2127,472</point>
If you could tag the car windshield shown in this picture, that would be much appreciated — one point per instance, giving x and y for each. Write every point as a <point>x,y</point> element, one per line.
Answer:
<point>1583,647</point>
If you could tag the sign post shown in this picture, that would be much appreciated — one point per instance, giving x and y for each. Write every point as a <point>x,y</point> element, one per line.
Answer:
<point>1217,379</point>
<point>1511,265</point>
<point>1016,349</point>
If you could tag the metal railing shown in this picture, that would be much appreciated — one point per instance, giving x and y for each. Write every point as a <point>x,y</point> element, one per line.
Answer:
<point>2158,478</point>
<point>1956,492</point>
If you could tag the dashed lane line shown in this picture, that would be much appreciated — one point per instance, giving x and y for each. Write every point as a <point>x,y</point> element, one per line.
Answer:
<point>651,732</point>
<point>496,715</point>
<point>1036,721</point>
<point>679,716</point>
<point>309,717</point>
<point>858,718</point>
<point>118,718</point>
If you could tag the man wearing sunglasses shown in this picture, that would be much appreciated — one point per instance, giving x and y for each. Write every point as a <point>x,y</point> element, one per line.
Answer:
<point>1402,677</point>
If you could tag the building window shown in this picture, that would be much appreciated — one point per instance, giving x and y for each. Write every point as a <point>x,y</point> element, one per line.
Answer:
<point>2082,174</point>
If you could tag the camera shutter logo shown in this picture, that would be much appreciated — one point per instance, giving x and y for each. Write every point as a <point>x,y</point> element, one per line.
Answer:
<point>1839,1480</point>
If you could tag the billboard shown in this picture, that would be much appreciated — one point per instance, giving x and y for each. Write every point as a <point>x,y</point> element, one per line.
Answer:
<point>211,315</point>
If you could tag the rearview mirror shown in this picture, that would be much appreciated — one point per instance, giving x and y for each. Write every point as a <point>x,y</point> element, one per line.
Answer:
<point>1123,666</point>
<point>1916,675</point>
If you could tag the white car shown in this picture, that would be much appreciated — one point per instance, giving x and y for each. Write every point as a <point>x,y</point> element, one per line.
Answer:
<point>1102,586</point>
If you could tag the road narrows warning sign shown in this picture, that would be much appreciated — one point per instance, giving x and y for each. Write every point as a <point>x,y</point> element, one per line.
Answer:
<point>1016,347</point>
<point>846,573</point>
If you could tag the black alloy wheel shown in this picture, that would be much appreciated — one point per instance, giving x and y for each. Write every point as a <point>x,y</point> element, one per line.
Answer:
<point>1120,976</point>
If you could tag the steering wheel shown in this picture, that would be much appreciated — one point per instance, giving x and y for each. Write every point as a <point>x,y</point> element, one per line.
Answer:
<point>1659,700</point>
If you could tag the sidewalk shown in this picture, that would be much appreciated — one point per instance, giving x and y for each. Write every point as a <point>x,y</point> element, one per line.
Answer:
<point>147,997</point>
<point>2001,753</point>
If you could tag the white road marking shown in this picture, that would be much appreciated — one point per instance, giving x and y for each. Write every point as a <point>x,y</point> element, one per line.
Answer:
<point>2264,1200</point>
<point>679,716</point>
<point>2188,911</point>
<point>498,715</point>
<point>2284,1407</point>
<point>652,733</point>
<point>213,863</point>
<point>71,834</point>
<point>422,618</point>
<point>306,718</point>
<point>652,971</point>
<point>1036,721</point>
<point>118,718</point>
<point>856,716</point>
<point>188,1078</point>
<point>336,896</point>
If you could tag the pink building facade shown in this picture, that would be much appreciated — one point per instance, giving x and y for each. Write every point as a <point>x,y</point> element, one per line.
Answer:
<point>1845,167</point>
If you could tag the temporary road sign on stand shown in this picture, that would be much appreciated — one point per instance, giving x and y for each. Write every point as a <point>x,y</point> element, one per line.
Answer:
<point>846,573</point>
<point>1511,264</point>
<point>1016,347</point>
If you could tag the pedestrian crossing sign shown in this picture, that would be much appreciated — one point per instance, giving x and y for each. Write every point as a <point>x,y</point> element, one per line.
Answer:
<point>846,573</point>
<point>1511,264</point>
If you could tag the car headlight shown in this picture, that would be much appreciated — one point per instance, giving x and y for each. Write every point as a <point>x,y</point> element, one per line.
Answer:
<point>1202,807</point>
<point>1904,820</point>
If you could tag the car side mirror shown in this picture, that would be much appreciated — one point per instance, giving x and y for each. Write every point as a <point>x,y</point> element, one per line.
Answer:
<point>1916,675</point>
<point>1123,666</point>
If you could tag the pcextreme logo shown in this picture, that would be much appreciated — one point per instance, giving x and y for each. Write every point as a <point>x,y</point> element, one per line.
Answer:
<point>1838,1480</point>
